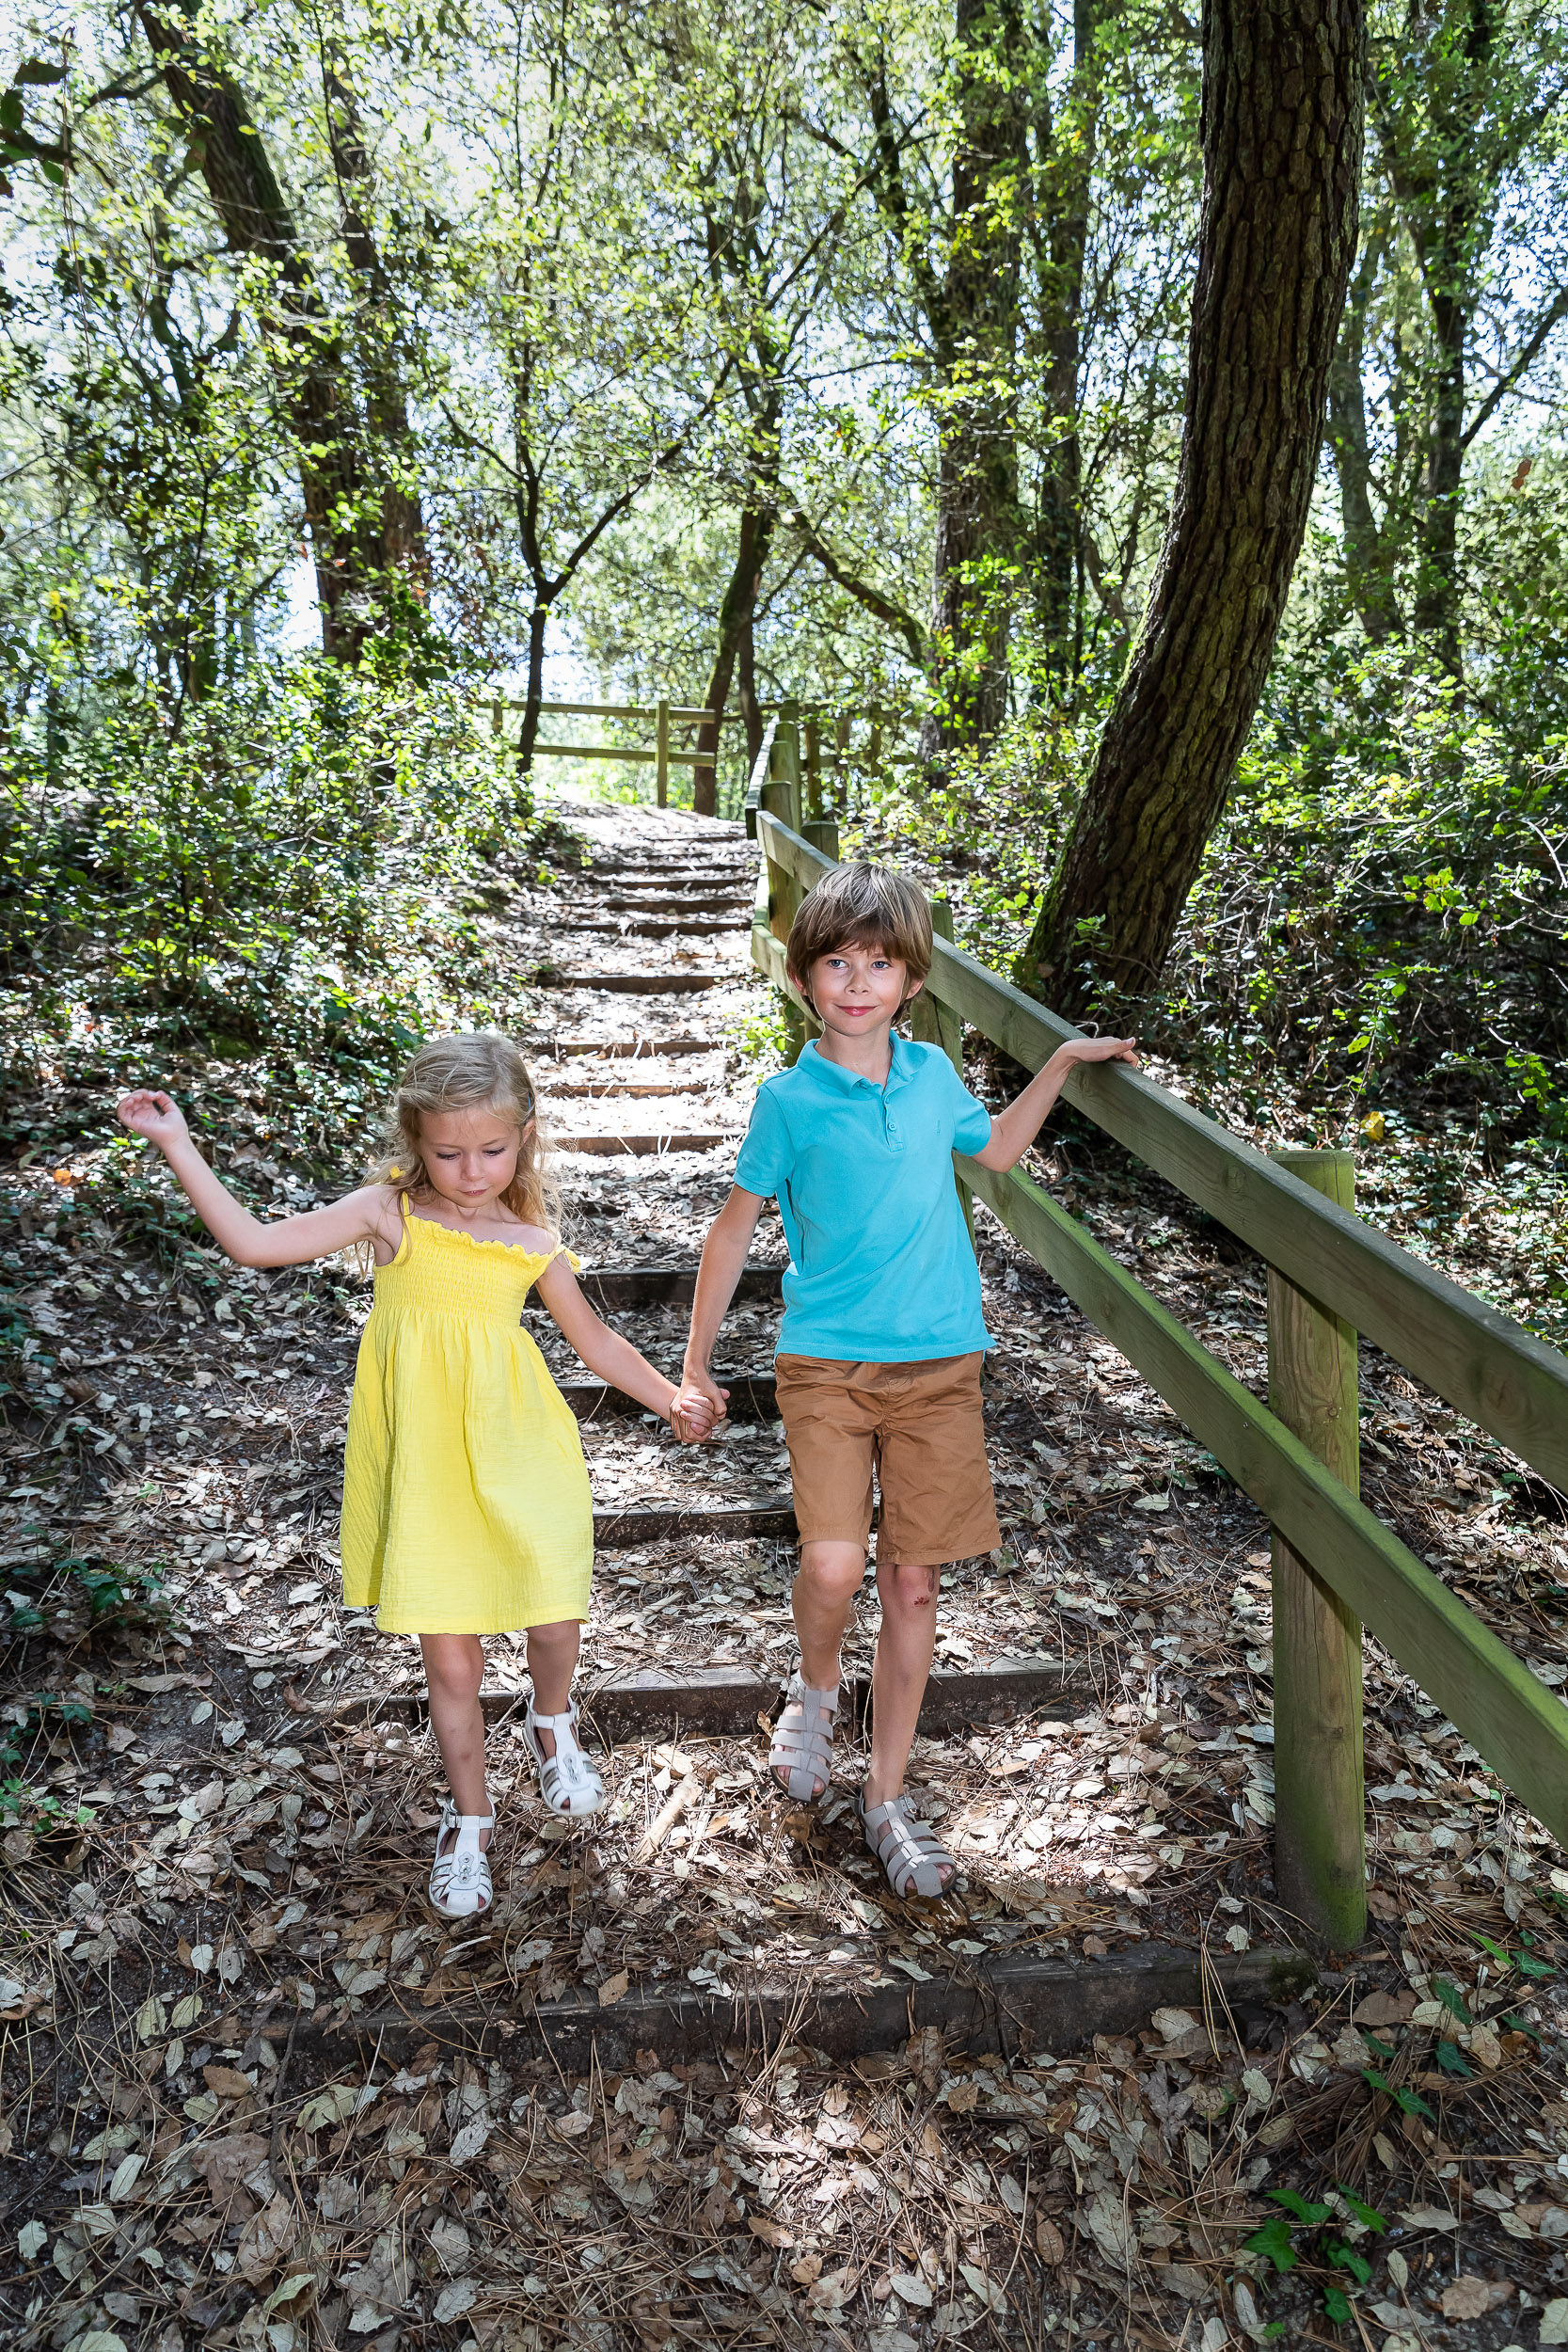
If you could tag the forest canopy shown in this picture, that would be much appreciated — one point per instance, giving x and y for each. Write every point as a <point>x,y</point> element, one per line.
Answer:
<point>862,358</point>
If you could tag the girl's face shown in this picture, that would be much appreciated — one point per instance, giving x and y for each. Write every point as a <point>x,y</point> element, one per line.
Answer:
<point>470,1156</point>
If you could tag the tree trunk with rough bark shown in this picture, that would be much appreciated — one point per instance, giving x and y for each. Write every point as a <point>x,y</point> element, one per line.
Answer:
<point>1282,128</point>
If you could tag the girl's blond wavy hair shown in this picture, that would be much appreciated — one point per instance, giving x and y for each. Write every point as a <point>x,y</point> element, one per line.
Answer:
<point>473,1071</point>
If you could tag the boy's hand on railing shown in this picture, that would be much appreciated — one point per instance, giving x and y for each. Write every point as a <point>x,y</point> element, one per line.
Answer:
<point>1100,1049</point>
<point>154,1115</point>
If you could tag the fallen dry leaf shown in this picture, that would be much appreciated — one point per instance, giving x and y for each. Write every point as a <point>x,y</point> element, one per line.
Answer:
<point>1469,2297</point>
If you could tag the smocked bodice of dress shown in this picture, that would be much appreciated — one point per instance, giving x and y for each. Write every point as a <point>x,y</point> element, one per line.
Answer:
<point>440,1271</point>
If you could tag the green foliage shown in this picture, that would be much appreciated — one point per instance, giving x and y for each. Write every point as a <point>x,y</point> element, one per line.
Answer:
<point>1306,2232</point>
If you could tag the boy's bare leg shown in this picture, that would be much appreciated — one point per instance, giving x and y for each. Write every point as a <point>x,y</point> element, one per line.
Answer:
<point>824,1597</point>
<point>454,1668</point>
<point>899,1673</point>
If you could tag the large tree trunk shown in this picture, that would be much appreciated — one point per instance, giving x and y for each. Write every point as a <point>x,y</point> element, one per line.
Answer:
<point>735,621</point>
<point>391,450</point>
<point>342,508</point>
<point>1282,126</point>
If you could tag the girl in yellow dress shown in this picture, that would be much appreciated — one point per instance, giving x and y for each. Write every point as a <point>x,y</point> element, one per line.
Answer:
<point>466,1500</point>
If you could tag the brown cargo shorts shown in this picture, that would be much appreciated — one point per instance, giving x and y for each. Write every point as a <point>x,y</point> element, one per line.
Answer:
<point>918,1427</point>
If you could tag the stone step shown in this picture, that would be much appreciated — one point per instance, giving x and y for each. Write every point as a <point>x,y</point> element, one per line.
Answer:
<point>751,1397</point>
<point>615,1287</point>
<point>647,1147</point>
<point>659,1522</point>
<point>700,926</point>
<point>724,1701</point>
<point>627,1048</point>
<point>637,983</point>
<point>682,906</point>
<point>620,1089</point>
<point>845,2002</point>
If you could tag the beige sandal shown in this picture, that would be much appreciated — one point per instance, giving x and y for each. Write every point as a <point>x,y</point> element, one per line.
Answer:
<point>801,1757</point>
<point>908,1849</point>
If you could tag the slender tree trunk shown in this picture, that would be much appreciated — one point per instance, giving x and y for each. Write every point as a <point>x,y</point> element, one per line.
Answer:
<point>342,510</point>
<point>528,733</point>
<point>1066,157</point>
<point>979,533</point>
<point>734,620</point>
<point>1282,126</point>
<point>1369,555</point>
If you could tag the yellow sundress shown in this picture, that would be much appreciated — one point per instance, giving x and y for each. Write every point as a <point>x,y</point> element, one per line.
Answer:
<point>465,1500</point>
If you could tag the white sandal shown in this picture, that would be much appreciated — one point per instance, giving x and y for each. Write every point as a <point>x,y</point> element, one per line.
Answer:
<point>460,1886</point>
<point>801,1756</point>
<point>908,1849</point>
<point>567,1780</point>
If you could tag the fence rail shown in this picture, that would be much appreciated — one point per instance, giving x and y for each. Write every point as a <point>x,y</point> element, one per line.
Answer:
<point>831,767</point>
<point>1483,1363</point>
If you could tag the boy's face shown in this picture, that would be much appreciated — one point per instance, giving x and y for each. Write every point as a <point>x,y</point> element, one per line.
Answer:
<point>858,991</point>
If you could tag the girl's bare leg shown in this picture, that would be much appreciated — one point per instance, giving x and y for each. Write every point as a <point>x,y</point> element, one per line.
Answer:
<point>552,1657</point>
<point>454,1668</point>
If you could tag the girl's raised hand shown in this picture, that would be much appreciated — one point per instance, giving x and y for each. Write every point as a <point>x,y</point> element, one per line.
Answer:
<point>154,1115</point>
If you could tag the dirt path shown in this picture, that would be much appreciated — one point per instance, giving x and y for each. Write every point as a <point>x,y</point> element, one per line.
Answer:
<point>257,2096</point>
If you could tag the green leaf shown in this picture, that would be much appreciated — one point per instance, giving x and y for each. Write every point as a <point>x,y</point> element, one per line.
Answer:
<point>1407,2100</point>
<point>1536,1968</point>
<point>1452,2061</point>
<point>1367,2216</point>
<point>1274,2242</point>
<point>1384,2050</point>
<point>1452,2000</point>
<point>1345,2257</point>
<point>1308,2215</point>
<point>1495,1951</point>
<point>1337,2303</point>
<point>38,70</point>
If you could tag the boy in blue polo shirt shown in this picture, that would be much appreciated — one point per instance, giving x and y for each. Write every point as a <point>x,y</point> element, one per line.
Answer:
<point>878,1363</point>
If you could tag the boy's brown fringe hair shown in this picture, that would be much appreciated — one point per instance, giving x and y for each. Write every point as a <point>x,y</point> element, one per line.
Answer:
<point>473,1071</point>
<point>861,906</point>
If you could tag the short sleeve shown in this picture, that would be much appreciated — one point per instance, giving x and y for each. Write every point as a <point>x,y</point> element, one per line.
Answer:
<point>560,1250</point>
<point>971,1119</point>
<point>767,1154</point>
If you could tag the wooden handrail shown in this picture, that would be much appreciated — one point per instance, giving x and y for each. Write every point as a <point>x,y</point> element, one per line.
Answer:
<point>1486,1365</point>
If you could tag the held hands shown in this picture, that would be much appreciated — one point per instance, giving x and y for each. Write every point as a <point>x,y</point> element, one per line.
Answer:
<point>696,1409</point>
<point>155,1116</point>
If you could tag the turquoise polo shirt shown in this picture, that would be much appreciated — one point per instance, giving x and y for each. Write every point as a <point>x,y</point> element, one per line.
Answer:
<point>881,1266</point>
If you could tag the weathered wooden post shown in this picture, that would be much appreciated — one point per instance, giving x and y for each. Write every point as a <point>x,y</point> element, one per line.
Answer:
<point>822,832</point>
<point>938,1025</point>
<point>661,752</point>
<point>781,797</point>
<point>496,723</point>
<point>1320,1793</point>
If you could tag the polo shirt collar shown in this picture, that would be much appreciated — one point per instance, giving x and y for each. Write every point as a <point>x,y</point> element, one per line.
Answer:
<point>833,1074</point>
